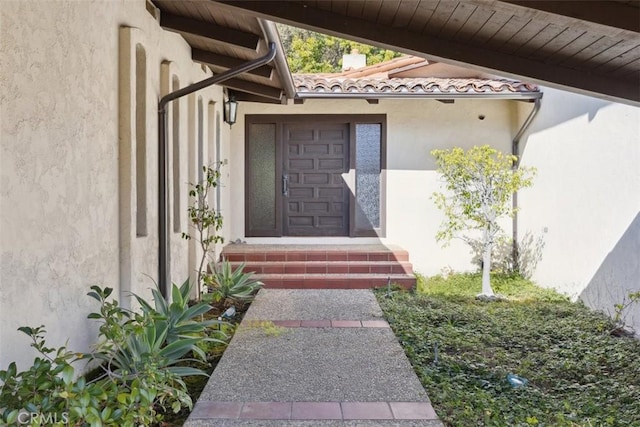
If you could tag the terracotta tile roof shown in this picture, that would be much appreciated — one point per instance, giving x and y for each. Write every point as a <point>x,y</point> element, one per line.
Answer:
<point>315,84</point>
<point>384,67</point>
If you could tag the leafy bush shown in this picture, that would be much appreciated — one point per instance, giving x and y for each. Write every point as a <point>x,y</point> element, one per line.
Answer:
<point>462,350</point>
<point>229,285</point>
<point>141,356</point>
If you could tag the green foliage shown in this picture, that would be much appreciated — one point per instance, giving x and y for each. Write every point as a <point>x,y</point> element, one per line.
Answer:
<point>621,310</point>
<point>269,328</point>
<point>205,220</point>
<point>311,52</point>
<point>503,259</point>
<point>182,318</point>
<point>479,182</point>
<point>462,349</point>
<point>48,392</point>
<point>227,284</point>
<point>140,375</point>
<point>159,336</point>
<point>514,287</point>
<point>38,389</point>
<point>219,337</point>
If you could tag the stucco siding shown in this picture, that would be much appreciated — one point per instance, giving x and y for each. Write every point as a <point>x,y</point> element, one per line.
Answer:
<point>586,199</point>
<point>414,128</point>
<point>61,141</point>
<point>59,229</point>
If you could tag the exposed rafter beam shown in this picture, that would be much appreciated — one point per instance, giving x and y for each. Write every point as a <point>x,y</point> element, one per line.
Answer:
<point>253,88</point>
<point>609,13</point>
<point>223,61</point>
<point>248,97</point>
<point>184,25</point>
<point>304,14</point>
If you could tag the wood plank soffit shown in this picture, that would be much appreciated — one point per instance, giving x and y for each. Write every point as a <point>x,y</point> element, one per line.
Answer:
<point>210,30</point>
<point>609,13</point>
<point>249,97</point>
<point>253,88</point>
<point>223,61</point>
<point>445,50</point>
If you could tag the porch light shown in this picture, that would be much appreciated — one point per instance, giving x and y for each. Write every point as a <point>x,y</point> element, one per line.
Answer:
<point>230,110</point>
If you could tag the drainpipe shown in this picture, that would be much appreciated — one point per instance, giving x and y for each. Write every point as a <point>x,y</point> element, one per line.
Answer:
<point>162,153</point>
<point>515,150</point>
<point>271,34</point>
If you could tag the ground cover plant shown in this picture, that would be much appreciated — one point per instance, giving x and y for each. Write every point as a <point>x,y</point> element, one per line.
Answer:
<point>462,349</point>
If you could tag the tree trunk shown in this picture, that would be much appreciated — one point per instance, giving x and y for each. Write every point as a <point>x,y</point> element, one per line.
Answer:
<point>486,266</point>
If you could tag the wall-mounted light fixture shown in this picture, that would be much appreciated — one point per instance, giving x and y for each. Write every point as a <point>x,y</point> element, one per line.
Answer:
<point>230,110</point>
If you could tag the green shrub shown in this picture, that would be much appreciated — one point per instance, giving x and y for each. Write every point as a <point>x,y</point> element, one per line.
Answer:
<point>142,360</point>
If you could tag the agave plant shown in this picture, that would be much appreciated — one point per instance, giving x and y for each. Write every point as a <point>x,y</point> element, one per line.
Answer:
<point>166,331</point>
<point>180,316</point>
<point>227,284</point>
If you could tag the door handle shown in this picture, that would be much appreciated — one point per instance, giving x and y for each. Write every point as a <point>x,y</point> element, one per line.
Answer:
<point>285,184</point>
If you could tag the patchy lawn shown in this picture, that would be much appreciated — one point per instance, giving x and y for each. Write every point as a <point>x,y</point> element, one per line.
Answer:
<point>462,350</point>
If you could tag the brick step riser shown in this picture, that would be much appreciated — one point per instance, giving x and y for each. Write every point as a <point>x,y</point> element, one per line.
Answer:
<point>285,283</point>
<point>401,256</point>
<point>316,268</point>
<point>299,267</point>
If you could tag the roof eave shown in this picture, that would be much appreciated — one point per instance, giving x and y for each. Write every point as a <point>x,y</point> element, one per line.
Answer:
<point>503,96</point>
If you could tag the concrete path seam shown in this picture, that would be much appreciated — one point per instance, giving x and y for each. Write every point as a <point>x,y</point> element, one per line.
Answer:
<point>314,410</point>
<point>319,323</point>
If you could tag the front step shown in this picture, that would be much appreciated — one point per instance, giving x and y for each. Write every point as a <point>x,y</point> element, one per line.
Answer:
<point>327,267</point>
<point>334,281</point>
<point>324,267</point>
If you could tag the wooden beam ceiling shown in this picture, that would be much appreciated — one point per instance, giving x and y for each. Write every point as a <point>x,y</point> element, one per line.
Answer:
<point>439,47</point>
<point>222,61</point>
<point>248,97</point>
<point>253,88</point>
<point>609,13</point>
<point>210,30</point>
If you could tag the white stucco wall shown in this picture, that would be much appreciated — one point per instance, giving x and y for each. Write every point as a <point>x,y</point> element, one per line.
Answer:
<point>60,190</point>
<point>585,202</point>
<point>414,128</point>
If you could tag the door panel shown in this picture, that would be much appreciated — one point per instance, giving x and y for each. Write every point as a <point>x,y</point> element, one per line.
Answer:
<point>316,202</point>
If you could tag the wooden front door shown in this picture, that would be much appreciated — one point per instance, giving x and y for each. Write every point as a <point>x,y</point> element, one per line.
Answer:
<point>314,177</point>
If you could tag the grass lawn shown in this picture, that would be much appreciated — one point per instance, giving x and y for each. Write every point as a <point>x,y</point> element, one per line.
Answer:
<point>462,350</point>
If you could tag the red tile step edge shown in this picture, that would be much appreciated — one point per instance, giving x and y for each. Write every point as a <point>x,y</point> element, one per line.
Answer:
<point>334,281</point>
<point>323,323</point>
<point>314,410</point>
<point>327,267</point>
<point>316,255</point>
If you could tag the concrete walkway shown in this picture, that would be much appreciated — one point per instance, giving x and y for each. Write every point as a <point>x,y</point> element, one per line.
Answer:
<point>313,358</point>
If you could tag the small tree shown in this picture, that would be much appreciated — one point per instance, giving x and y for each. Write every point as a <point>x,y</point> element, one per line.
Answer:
<point>479,183</point>
<point>205,220</point>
